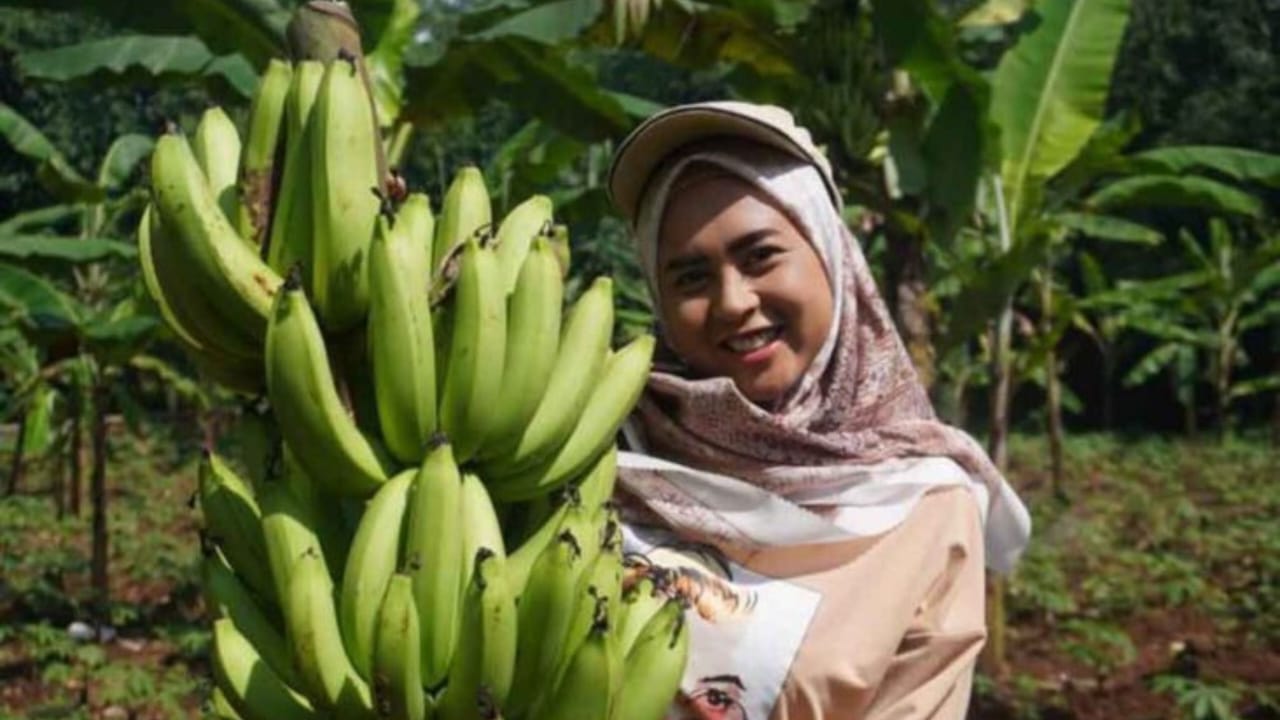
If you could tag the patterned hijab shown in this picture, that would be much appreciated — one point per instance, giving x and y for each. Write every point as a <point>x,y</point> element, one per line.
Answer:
<point>847,452</point>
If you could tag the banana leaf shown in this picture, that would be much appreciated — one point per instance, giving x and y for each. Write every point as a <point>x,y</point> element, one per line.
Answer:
<point>547,23</point>
<point>143,59</point>
<point>1168,190</point>
<point>393,25</point>
<point>37,303</point>
<point>984,294</point>
<point>1049,92</point>
<point>995,12</point>
<point>67,249</point>
<point>40,218</point>
<point>1238,164</point>
<point>53,172</point>
<point>1106,227</point>
<point>122,158</point>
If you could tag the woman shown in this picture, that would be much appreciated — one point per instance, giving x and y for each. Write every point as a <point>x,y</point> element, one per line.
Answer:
<point>786,461</point>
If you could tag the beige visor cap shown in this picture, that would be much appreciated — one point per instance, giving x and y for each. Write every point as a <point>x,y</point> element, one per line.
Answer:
<point>666,131</point>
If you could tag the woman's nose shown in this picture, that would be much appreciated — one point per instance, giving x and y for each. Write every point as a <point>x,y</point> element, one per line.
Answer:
<point>735,297</point>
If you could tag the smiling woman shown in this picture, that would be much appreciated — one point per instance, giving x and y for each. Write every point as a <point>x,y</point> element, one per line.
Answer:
<point>787,469</point>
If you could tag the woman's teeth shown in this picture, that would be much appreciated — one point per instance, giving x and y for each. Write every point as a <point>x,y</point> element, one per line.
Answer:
<point>752,341</point>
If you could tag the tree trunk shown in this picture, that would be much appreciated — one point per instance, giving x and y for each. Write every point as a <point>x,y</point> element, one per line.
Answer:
<point>1275,410</point>
<point>15,464</point>
<point>98,567</point>
<point>995,658</point>
<point>60,479</point>
<point>908,299</point>
<point>1053,389</point>
<point>1222,388</point>
<point>77,449</point>
<point>1187,397</point>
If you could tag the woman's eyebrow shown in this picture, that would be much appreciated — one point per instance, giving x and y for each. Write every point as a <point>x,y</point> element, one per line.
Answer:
<point>751,238</point>
<point>737,245</point>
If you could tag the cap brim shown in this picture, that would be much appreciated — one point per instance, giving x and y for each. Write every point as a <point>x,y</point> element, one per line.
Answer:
<point>664,132</point>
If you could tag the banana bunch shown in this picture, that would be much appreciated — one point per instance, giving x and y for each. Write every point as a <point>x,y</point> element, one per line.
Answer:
<point>419,525</point>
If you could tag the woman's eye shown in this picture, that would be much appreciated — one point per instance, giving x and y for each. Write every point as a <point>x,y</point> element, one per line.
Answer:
<point>760,255</point>
<point>690,279</point>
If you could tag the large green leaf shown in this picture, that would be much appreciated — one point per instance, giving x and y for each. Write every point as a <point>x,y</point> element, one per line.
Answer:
<point>984,294</point>
<point>68,249</point>
<point>548,23</point>
<point>1106,227</point>
<point>1168,190</point>
<point>53,171</point>
<point>995,12</point>
<point>40,218</point>
<point>1236,163</point>
<point>141,59</point>
<point>536,79</point>
<point>122,158</point>
<point>392,35</point>
<point>1050,90</point>
<point>36,302</point>
<point>254,28</point>
<point>703,35</point>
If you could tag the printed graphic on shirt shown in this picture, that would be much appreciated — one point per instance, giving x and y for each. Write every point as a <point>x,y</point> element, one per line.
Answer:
<point>745,629</point>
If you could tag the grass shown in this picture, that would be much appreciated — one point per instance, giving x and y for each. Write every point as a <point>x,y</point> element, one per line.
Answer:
<point>1152,594</point>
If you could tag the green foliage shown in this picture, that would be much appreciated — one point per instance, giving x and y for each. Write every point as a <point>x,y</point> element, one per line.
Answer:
<point>1198,699</point>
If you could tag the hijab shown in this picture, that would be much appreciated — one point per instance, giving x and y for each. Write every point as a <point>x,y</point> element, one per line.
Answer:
<point>846,453</point>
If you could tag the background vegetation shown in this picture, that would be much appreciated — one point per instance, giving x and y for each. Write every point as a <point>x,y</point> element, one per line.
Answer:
<point>1115,338</point>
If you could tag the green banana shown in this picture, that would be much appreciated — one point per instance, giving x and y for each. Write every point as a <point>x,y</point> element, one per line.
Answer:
<point>433,552</point>
<point>612,399</point>
<point>520,562</point>
<point>344,147</point>
<point>597,485</point>
<point>219,707</point>
<point>370,564</point>
<point>293,217</point>
<point>487,648</point>
<point>315,425</point>
<point>318,654</point>
<point>590,678</point>
<point>654,666</point>
<point>397,660</point>
<point>248,683</point>
<point>584,343</point>
<point>473,373</point>
<point>464,210</point>
<point>258,162</point>
<point>200,329</point>
<point>639,604</point>
<point>401,344</point>
<point>518,229</point>
<point>324,511</point>
<point>533,332</point>
<point>480,526</point>
<point>227,597</point>
<point>233,521</point>
<point>238,286</point>
<point>545,612</point>
<point>216,145</point>
<point>420,228</point>
<point>288,529</point>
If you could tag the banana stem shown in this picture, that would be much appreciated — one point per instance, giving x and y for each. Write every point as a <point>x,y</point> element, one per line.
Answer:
<point>400,136</point>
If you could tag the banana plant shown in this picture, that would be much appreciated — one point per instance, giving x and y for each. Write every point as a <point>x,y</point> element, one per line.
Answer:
<point>1201,318</point>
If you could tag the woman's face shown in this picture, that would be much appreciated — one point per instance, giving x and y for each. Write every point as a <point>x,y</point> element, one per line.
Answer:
<point>743,293</point>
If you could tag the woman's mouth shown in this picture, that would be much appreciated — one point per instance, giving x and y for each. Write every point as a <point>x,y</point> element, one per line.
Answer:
<point>752,341</point>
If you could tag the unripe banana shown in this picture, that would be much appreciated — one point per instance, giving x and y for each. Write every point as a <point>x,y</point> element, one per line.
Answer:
<point>601,582</point>
<point>293,216</point>
<point>584,344</point>
<point>219,707</point>
<point>288,530</point>
<point>233,521</point>
<point>257,191</point>
<point>216,145</point>
<point>312,623</point>
<point>237,284</point>
<point>464,210</point>
<point>654,666</point>
<point>433,554</point>
<point>370,564</point>
<point>479,526</point>
<point>520,562</point>
<point>533,332</point>
<point>344,181</point>
<point>419,226</point>
<point>487,642</point>
<point>324,512</point>
<point>518,229</point>
<point>590,679</point>
<point>401,344</point>
<point>613,398</point>
<point>545,612</point>
<point>227,597</point>
<point>639,604</point>
<point>252,688</point>
<point>397,660</point>
<point>473,374</point>
<point>313,421</point>
<point>220,351</point>
<point>597,485</point>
